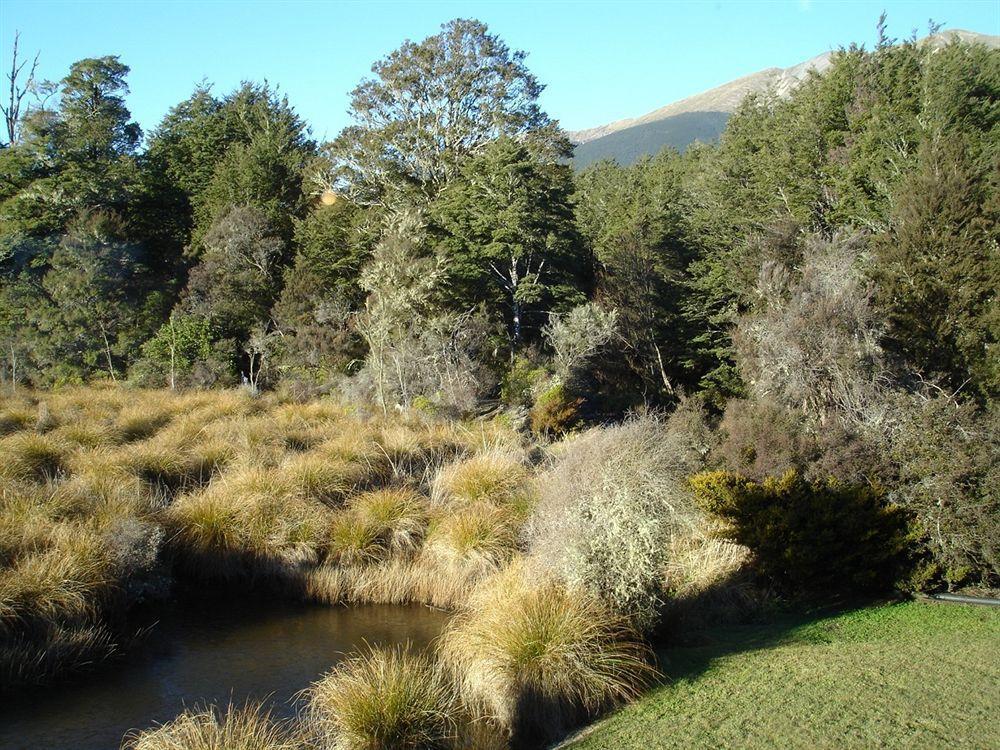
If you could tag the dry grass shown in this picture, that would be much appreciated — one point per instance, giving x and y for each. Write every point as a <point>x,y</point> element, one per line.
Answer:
<point>480,535</point>
<point>246,515</point>
<point>28,455</point>
<point>232,728</point>
<point>536,658</point>
<point>384,699</point>
<point>496,476</point>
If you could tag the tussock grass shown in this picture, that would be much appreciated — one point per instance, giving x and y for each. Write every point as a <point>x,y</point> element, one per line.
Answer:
<point>422,580</point>
<point>87,434</point>
<point>27,455</point>
<point>60,649</point>
<point>14,418</point>
<point>141,422</point>
<point>537,658</point>
<point>232,728</point>
<point>376,525</point>
<point>384,699</point>
<point>246,514</point>
<point>53,583</point>
<point>497,476</point>
<point>326,478</point>
<point>480,535</point>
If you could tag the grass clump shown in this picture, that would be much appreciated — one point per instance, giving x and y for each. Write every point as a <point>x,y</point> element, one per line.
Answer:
<point>28,455</point>
<point>232,728</point>
<point>15,418</point>
<point>244,521</point>
<point>479,536</point>
<point>384,699</point>
<point>326,478</point>
<point>537,658</point>
<point>378,524</point>
<point>496,476</point>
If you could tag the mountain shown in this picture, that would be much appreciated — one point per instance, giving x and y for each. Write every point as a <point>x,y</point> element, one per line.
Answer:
<point>703,117</point>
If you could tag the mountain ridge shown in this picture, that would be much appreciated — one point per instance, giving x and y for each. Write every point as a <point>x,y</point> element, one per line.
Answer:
<point>702,116</point>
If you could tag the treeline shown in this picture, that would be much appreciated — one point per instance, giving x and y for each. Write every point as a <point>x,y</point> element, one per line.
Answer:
<point>824,280</point>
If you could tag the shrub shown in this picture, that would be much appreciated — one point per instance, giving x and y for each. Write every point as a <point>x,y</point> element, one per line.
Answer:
<point>946,461</point>
<point>815,538</point>
<point>521,381</point>
<point>232,728</point>
<point>578,336</point>
<point>609,508</point>
<point>758,438</point>
<point>537,658</point>
<point>555,411</point>
<point>384,699</point>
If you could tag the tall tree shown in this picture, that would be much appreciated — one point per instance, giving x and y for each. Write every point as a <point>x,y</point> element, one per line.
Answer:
<point>509,238</point>
<point>92,319</point>
<point>431,106</point>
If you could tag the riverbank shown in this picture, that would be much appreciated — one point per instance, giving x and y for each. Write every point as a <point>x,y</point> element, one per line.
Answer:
<point>207,649</point>
<point>914,674</point>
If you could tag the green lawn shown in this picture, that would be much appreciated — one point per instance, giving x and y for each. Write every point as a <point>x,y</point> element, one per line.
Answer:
<point>912,675</point>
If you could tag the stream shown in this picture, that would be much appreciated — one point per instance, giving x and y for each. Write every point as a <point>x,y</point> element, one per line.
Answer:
<point>207,651</point>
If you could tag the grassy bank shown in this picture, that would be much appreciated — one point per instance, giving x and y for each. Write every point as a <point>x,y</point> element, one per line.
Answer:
<point>903,675</point>
<point>109,495</point>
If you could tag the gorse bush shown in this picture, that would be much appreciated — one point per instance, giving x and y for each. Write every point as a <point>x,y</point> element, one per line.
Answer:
<point>814,538</point>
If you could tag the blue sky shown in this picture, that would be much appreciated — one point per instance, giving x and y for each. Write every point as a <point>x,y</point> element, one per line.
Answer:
<point>600,61</point>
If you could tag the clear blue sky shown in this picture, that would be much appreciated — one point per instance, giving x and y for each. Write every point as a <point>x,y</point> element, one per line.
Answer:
<point>600,61</point>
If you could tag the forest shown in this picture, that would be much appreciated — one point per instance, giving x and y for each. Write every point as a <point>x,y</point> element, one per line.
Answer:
<point>773,362</point>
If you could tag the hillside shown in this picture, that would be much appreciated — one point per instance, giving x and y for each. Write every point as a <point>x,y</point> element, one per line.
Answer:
<point>703,116</point>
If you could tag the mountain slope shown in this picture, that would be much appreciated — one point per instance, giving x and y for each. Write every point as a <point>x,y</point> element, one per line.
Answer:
<point>703,117</point>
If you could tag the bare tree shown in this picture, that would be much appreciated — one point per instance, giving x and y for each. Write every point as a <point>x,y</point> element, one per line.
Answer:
<point>12,110</point>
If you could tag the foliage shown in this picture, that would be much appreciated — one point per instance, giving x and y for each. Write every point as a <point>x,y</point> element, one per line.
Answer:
<point>578,337</point>
<point>509,239</point>
<point>610,507</point>
<point>431,106</point>
<point>171,356</point>
<point>632,221</point>
<point>555,411</point>
<point>816,538</point>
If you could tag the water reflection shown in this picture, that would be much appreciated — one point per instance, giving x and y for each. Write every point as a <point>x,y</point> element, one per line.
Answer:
<point>206,651</point>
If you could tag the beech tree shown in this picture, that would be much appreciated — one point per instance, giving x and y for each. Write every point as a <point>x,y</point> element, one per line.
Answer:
<point>510,239</point>
<point>432,105</point>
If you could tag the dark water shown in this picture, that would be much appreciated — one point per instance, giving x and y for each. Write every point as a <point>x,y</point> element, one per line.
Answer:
<point>202,652</point>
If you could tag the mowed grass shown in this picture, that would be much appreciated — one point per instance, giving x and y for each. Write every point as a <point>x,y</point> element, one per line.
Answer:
<point>902,675</point>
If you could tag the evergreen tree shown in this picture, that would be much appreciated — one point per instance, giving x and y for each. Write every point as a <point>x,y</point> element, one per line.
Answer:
<point>509,238</point>
<point>430,107</point>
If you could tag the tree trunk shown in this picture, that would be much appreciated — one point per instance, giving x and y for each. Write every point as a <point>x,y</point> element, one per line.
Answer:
<point>107,353</point>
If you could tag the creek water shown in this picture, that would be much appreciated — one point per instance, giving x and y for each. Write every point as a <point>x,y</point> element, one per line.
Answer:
<point>202,651</point>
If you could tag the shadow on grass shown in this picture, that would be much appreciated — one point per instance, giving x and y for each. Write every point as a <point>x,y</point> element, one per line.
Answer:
<point>735,616</point>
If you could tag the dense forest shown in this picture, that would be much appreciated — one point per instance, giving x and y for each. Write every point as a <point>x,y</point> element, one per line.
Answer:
<point>820,286</point>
